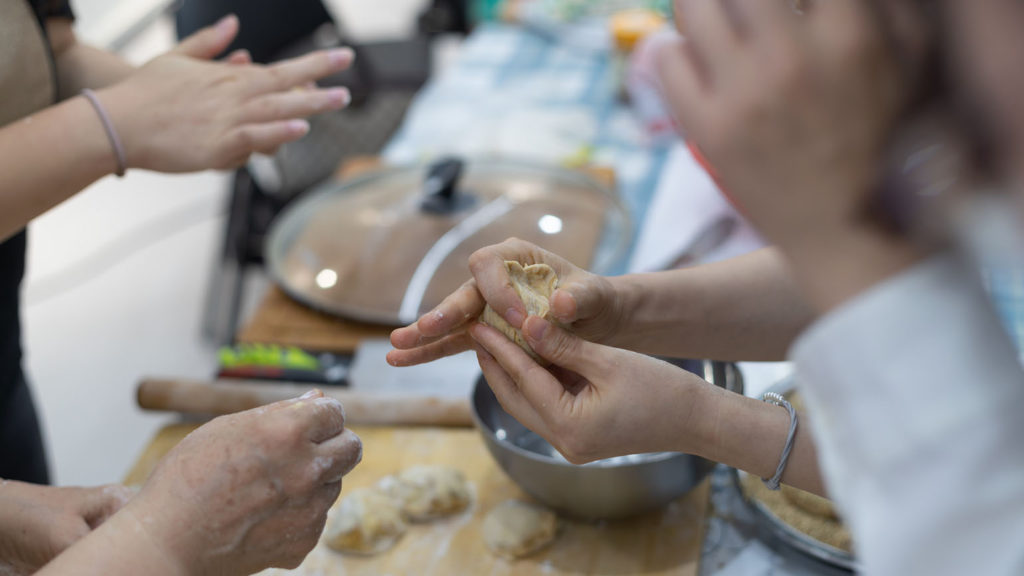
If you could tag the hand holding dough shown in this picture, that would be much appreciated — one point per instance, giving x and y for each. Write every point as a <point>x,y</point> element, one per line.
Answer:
<point>534,284</point>
<point>365,522</point>
<point>515,529</point>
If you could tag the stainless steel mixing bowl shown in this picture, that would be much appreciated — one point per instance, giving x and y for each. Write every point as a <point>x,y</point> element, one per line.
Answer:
<point>606,489</point>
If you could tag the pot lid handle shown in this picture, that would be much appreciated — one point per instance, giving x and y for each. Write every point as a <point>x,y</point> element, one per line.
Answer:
<point>441,193</point>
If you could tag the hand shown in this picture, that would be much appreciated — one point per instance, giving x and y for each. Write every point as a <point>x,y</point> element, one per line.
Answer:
<point>39,522</point>
<point>989,47</point>
<point>795,114</point>
<point>183,112</point>
<point>585,301</point>
<point>250,490</point>
<point>594,401</point>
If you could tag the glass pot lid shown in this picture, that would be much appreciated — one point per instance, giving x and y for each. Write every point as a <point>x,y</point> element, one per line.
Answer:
<point>389,246</point>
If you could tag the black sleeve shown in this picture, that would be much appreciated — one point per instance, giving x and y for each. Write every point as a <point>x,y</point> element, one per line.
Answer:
<point>54,9</point>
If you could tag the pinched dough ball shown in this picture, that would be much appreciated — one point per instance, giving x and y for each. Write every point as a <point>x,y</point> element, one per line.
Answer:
<point>428,492</point>
<point>515,529</point>
<point>365,522</point>
<point>534,284</point>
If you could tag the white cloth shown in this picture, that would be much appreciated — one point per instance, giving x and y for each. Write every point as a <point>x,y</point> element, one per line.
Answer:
<point>917,404</point>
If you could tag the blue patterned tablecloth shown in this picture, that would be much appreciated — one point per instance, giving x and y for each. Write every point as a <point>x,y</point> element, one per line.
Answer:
<point>518,94</point>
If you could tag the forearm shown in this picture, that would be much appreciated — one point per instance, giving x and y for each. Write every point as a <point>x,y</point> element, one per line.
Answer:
<point>747,308</point>
<point>750,435</point>
<point>47,157</point>
<point>81,66</point>
<point>119,547</point>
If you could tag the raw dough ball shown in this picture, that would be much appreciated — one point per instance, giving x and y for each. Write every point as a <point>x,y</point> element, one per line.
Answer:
<point>365,522</point>
<point>515,529</point>
<point>428,492</point>
<point>534,284</point>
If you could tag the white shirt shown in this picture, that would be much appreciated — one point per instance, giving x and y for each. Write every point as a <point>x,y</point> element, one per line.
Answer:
<point>917,405</point>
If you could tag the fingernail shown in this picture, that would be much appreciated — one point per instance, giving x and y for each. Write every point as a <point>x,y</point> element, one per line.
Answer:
<point>474,329</point>
<point>341,56</point>
<point>536,329</point>
<point>298,126</point>
<point>559,311</point>
<point>226,23</point>
<point>514,317</point>
<point>339,96</point>
<point>311,394</point>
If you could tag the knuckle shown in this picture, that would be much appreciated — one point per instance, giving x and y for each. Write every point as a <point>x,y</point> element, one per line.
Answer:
<point>577,448</point>
<point>790,74</point>
<point>503,402</point>
<point>64,535</point>
<point>265,108</point>
<point>477,259</point>
<point>316,516</point>
<point>274,74</point>
<point>310,477</point>
<point>534,373</point>
<point>324,62</point>
<point>517,244</point>
<point>243,140</point>
<point>331,412</point>
<point>293,558</point>
<point>560,348</point>
<point>287,430</point>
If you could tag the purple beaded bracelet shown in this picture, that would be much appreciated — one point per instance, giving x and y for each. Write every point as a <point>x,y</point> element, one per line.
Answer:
<point>108,126</point>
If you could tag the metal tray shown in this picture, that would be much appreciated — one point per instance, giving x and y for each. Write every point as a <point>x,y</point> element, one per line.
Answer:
<point>786,533</point>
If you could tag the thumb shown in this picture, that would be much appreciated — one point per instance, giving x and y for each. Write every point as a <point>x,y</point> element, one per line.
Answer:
<point>577,301</point>
<point>102,502</point>
<point>211,41</point>
<point>559,346</point>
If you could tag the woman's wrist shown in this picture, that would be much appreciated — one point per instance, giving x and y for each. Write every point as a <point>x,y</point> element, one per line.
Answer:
<point>626,296</point>
<point>699,433</point>
<point>683,420</point>
<point>111,131</point>
<point>100,147</point>
<point>131,532</point>
<point>118,104</point>
<point>120,546</point>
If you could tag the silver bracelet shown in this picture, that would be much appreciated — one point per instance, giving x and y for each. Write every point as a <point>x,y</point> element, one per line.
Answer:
<point>778,400</point>
<point>108,127</point>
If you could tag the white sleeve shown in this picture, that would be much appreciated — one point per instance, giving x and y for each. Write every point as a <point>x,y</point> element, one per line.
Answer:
<point>916,401</point>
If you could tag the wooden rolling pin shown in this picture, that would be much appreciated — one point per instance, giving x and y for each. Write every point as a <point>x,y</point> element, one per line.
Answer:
<point>361,408</point>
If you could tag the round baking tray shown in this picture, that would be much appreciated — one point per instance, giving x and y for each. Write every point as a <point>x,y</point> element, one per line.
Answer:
<point>782,530</point>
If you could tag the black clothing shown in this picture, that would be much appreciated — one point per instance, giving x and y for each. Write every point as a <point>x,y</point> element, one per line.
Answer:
<point>22,453</point>
<point>22,456</point>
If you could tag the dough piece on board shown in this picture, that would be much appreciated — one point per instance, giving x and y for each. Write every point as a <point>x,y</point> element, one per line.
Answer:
<point>534,284</point>
<point>428,492</point>
<point>514,529</point>
<point>365,522</point>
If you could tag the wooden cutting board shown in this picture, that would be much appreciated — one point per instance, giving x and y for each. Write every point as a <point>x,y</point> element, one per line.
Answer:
<point>663,543</point>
